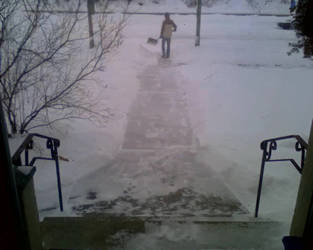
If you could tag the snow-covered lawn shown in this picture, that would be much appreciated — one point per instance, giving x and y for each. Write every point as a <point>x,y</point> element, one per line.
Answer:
<point>209,6</point>
<point>241,87</point>
<point>245,88</point>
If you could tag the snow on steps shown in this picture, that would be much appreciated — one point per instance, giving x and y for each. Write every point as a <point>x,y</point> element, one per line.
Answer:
<point>111,232</point>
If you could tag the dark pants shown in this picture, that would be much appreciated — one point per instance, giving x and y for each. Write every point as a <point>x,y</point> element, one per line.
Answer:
<point>168,47</point>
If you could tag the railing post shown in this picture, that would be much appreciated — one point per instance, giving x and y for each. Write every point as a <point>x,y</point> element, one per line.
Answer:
<point>59,182</point>
<point>26,157</point>
<point>54,153</point>
<point>302,158</point>
<point>28,146</point>
<point>53,145</point>
<point>260,183</point>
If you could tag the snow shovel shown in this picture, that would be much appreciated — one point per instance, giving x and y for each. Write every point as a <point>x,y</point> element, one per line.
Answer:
<point>152,41</point>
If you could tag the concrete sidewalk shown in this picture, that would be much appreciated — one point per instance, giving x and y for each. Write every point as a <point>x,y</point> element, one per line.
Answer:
<point>157,171</point>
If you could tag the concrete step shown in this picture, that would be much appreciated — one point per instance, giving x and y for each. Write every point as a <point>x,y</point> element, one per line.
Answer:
<point>109,232</point>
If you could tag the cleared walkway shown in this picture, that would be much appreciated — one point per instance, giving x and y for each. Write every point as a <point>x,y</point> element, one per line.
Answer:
<point>156,173</point>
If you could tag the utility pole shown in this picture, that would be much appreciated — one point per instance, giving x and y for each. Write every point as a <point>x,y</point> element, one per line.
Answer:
<point>199,5</point>
<point>91,11</point>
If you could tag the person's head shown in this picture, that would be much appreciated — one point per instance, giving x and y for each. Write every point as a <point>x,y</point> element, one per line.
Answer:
<point>167,15</point>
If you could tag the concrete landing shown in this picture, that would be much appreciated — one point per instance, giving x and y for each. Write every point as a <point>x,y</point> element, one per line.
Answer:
<point>101,233</point>
<point>87,233</point>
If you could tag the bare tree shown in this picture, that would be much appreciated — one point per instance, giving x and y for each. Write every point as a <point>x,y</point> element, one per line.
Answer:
<point>45,62</point>
<point>303,25</point>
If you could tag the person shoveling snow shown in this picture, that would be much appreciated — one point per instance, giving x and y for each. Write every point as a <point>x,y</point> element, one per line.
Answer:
<point>168,26</point>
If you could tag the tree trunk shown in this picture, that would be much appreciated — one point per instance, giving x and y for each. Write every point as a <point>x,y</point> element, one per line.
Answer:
<point>91,10</point>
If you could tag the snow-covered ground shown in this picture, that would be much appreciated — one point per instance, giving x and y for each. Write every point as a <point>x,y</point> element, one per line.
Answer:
<point>220,6</point>
<point>241,87</point>
<point>280,7</point>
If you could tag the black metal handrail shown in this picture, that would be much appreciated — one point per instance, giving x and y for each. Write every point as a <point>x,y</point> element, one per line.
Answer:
<point>268,146</point>
<point>52,144</point>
